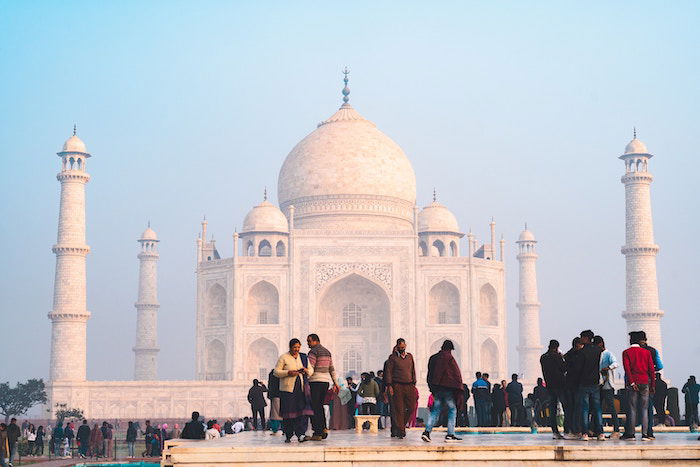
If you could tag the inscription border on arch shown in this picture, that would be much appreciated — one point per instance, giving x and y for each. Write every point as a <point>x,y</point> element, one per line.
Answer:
<point>380,272</point>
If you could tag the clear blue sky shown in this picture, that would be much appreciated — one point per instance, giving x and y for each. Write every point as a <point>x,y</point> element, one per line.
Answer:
<point>515,110</point>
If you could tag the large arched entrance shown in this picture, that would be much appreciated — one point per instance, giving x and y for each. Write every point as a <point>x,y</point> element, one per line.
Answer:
<point>354,317</point>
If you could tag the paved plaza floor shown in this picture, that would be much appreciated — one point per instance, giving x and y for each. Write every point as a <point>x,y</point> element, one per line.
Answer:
<point>346,448</point>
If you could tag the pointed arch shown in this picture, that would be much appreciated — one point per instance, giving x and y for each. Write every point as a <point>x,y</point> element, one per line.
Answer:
<point>489,357</point>
<point>354,313</point>
<point>264,249</point>
<point>215,314</point>
<point>250,249</point>
<point>281,249</point>
<point>215,360</point>
<point>443,304</point>
<point>263,304</point>
<point>262,356</point>
<point>422,249</point>
<point>438,248</point>
<point>488,306</point>
<point>453,248</point>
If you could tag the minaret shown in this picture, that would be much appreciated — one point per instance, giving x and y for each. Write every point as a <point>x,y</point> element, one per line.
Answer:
<point>146,348</point>
<point>69,314</point>
<point>529,347</point>
<point>642,311</point>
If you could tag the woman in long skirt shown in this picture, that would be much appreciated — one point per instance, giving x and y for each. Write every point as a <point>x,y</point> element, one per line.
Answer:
<point>293,371</point>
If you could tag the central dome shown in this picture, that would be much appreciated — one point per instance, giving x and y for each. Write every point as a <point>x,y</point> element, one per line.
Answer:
<point>346,170</point>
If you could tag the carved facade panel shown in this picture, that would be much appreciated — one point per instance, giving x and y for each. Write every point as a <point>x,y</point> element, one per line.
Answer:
<point>380,272</point>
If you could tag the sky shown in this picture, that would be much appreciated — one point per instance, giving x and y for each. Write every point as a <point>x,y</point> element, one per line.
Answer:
<point>516,110</point>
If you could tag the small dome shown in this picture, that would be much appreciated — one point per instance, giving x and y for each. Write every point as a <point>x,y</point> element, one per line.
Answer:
<point>149,234</point>
<point>636,147</point>
<point>526,236</point>
<point>437,218</point>
<point>265,217</point>
<point>74,144</point>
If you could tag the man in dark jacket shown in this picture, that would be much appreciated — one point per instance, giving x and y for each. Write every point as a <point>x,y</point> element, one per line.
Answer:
<point>256,399</point>
<point>572,408</point>
<point>515,401</point>
<point>193,429</point>
<point>445,383</point>
<point>554,372</point>
<point>13,434</point>
<point>498,400</point>
<point>400,380</point>
<point>83,437</point>
<point>589,389</point>
<point>691,389</point>
<point>57,440</point>
<point>660,394</point>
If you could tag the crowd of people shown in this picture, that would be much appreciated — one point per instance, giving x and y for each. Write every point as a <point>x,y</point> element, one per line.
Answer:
<point>575,387</point>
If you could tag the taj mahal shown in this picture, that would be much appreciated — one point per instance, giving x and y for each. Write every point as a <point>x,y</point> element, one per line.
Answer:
<point>346,254</point>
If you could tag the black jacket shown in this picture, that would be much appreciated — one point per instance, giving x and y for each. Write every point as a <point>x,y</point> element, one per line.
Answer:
<point>590,365</point>
<point>83,434</point>
<point>256,397</point>
<point>131,433</point>
<point>553,370</point>
<point>498,397</point>
<point>515,393</point>
<point>13,433</point>
<point>273,385</point>
<point>193,430</point>
<point>573,361</point>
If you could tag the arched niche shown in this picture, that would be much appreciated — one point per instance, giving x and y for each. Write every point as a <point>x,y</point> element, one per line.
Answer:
<point>263,304</point>
<point>215,312</point>
<point>443,304</point>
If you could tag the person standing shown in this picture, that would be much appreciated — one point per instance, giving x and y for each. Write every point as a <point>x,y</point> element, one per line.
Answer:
<point>192,429</point>
<point>480,390</point>
<point>498,400</point>
<point>131,439</point>
<point>323,377</point>
<point>554,372</point>
<point>83,437</point>
<point>658,366</point>
<point>256,399</point>
<point>39,443</point>
<point>515,400</point>
<point>369,393</point>
<point>352,405</point>
<point>379,379</point>
<point>572,408</point>
<point>400,378</point>
<point>293,369</point>
<point>95,441</point>
<point>660,394</point>
<point>445,384</point>
<point>57,440</point>
<point>608,363</point>
<point>13,434</point>
<point>691,389</point>
<point>639,374</point>
<point>589,389</point>
<point>4,445</point>
<point>30,435</point>
<point>273,393</point>
<point>69,435</point>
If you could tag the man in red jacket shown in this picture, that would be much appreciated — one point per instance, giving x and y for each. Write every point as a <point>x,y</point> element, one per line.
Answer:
<point>640,380</point>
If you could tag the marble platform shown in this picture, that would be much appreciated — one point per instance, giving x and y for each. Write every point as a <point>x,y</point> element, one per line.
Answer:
<point>346,448</point>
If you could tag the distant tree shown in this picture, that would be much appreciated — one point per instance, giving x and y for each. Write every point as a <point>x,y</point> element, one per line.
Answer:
<point>18,400</point>
<point>63,412</point>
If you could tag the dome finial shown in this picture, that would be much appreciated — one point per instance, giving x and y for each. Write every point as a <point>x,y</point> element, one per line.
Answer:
<point>434,195</point>
<point>149,223</point>
<point>346,89</point>
<point>75,129</point>
<point>634,132</point>
<point>265,194</point>
<point>525,225</point>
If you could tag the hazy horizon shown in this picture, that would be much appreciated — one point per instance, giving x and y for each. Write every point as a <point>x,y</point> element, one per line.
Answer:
<point>516,110</point>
